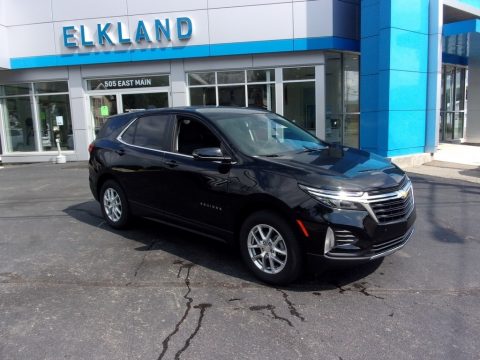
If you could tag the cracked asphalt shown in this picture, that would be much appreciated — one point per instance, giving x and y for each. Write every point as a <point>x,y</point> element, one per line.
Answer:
<point>73,288</point>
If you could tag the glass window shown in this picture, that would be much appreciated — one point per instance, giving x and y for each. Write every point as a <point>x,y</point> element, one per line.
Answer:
<point>231,95</point>
<point>260,75</point>
<point>55,121</point>
<point>136,102</point>
<point>150,131</point>
<point>201,78</point>
<point>231,77</point>
<point>51,87</point>
<point>302,73</point>
<point>262,96</point>
<point>203,96</point>
<point>29,130</point>
<point>299,103</point>
<point>19,125</point>
<point>351,79</point>
<point>460,89</point>
<point>129,135</point>
<point>194,135</point>
<point>342,103</point>
<point>352,130</point>
<point>333,84</point>
<point>15,89</point>
<point>259,95</point>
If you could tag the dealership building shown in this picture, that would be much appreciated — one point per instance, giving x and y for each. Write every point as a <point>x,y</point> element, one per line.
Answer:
<point>388,76</point>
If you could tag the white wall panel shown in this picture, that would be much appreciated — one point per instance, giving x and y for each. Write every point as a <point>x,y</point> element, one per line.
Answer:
<point>313,18</point>
<point>218,63</point>
<point>251,23</point>
<point>149,6</point>
<point>84,9</point>
<point>53,73</point>
<point>4,53</point>
<point>100,71</point>
<point>91,35</point>
<point>2,12</point>
<point>17,12</point>
<point>291,59</point>
<point>199,28</point>
<point>232,3</point>
<point>31,40</point>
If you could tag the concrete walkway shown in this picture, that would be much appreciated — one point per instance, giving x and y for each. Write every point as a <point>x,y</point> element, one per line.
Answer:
<point>452,161</point>
<point>458,153</point>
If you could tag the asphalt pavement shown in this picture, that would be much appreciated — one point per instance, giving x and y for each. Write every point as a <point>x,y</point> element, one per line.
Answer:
<point>73,288</point>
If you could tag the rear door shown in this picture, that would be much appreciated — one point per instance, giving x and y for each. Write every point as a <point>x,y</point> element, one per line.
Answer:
<point>142,152</point>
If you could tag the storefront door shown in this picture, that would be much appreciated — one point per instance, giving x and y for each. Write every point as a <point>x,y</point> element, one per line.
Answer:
<point>453,103</point>
<point>122,95</point>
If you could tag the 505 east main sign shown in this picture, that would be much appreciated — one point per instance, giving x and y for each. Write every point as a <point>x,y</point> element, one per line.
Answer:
<point>108,33</point>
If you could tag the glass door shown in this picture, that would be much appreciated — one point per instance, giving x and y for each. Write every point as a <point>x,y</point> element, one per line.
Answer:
<point>102,106</point>
<point>453,103</point>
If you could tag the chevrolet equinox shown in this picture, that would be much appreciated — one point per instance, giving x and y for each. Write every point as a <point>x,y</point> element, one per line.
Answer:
<point>254,179</point>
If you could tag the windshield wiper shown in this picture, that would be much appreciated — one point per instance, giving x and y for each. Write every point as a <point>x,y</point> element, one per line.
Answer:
<point>271,155</point>
<point>310,149</point>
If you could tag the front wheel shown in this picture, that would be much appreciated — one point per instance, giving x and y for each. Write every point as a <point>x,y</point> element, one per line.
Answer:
<point>114,205</point>
<point>270,249</point>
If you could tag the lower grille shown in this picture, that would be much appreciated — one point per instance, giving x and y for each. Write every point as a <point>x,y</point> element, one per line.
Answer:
<point>391,244</point>
<point>344,237</point>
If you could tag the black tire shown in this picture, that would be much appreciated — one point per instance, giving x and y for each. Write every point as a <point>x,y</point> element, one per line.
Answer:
<point>116,221</point>
<point>293,259</point>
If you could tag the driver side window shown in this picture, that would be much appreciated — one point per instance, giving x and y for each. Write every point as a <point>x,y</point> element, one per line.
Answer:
<point>191,135</point>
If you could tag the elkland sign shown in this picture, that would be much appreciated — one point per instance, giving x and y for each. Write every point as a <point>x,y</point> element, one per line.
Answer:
<point>108,33</point>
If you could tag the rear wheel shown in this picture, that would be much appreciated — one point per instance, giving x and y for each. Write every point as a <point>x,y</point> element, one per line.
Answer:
<point>114,205</point>
<point>270,249</point>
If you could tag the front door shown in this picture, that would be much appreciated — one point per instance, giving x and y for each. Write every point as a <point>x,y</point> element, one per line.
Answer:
<point>196,188</point>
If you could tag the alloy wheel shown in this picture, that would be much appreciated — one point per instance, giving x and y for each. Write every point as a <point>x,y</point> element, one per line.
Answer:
<point>112,204</point>
<point>267,249</point>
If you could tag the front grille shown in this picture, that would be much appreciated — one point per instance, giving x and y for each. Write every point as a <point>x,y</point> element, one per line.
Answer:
<point>396,209</point>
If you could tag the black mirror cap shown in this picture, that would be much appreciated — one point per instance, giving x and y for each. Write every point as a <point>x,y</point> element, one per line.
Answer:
<point>210,154</point>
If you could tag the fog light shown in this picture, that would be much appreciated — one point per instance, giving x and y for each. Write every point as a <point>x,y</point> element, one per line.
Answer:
<point>329,240</point>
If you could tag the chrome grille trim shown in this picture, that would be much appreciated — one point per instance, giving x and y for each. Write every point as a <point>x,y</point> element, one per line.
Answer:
<point>374,202</point>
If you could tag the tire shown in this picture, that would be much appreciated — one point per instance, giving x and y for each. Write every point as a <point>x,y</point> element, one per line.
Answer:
<point>114,204</point>
<point>281,262</point>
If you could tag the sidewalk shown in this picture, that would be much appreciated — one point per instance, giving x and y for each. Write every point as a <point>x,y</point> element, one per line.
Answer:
<point>453,161</point>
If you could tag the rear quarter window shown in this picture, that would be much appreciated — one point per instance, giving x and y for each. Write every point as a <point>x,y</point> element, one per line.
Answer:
<point>113,126</point>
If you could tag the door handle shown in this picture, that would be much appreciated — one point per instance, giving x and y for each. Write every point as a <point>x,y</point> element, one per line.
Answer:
<point>171,163</point>
<point>120,152</point>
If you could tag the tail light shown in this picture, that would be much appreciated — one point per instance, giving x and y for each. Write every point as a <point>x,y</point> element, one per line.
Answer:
<point>91,147</point>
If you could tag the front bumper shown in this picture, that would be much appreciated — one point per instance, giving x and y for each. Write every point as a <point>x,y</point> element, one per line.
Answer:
<point>358,237</point>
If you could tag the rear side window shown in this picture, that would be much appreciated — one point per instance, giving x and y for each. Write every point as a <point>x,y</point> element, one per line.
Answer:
<point>148,132</point>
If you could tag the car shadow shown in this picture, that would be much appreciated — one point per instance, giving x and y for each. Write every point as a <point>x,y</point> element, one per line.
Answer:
<point>211,254</point>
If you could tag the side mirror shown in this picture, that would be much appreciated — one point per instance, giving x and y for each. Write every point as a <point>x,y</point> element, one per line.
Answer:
<point>210,154</point>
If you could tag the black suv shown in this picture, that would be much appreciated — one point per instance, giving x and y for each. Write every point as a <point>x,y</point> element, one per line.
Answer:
<point>254,179</point>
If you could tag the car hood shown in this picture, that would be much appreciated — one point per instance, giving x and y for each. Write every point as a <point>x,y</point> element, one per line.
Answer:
<point>338,167</point>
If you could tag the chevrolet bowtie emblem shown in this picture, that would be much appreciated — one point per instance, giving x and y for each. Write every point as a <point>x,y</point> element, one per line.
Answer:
<point>403,194</point>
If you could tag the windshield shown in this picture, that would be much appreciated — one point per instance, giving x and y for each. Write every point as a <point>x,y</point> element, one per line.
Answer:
<point>266,134</point>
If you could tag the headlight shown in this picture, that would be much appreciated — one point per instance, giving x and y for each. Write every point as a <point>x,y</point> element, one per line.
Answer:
<point>339,199</point>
